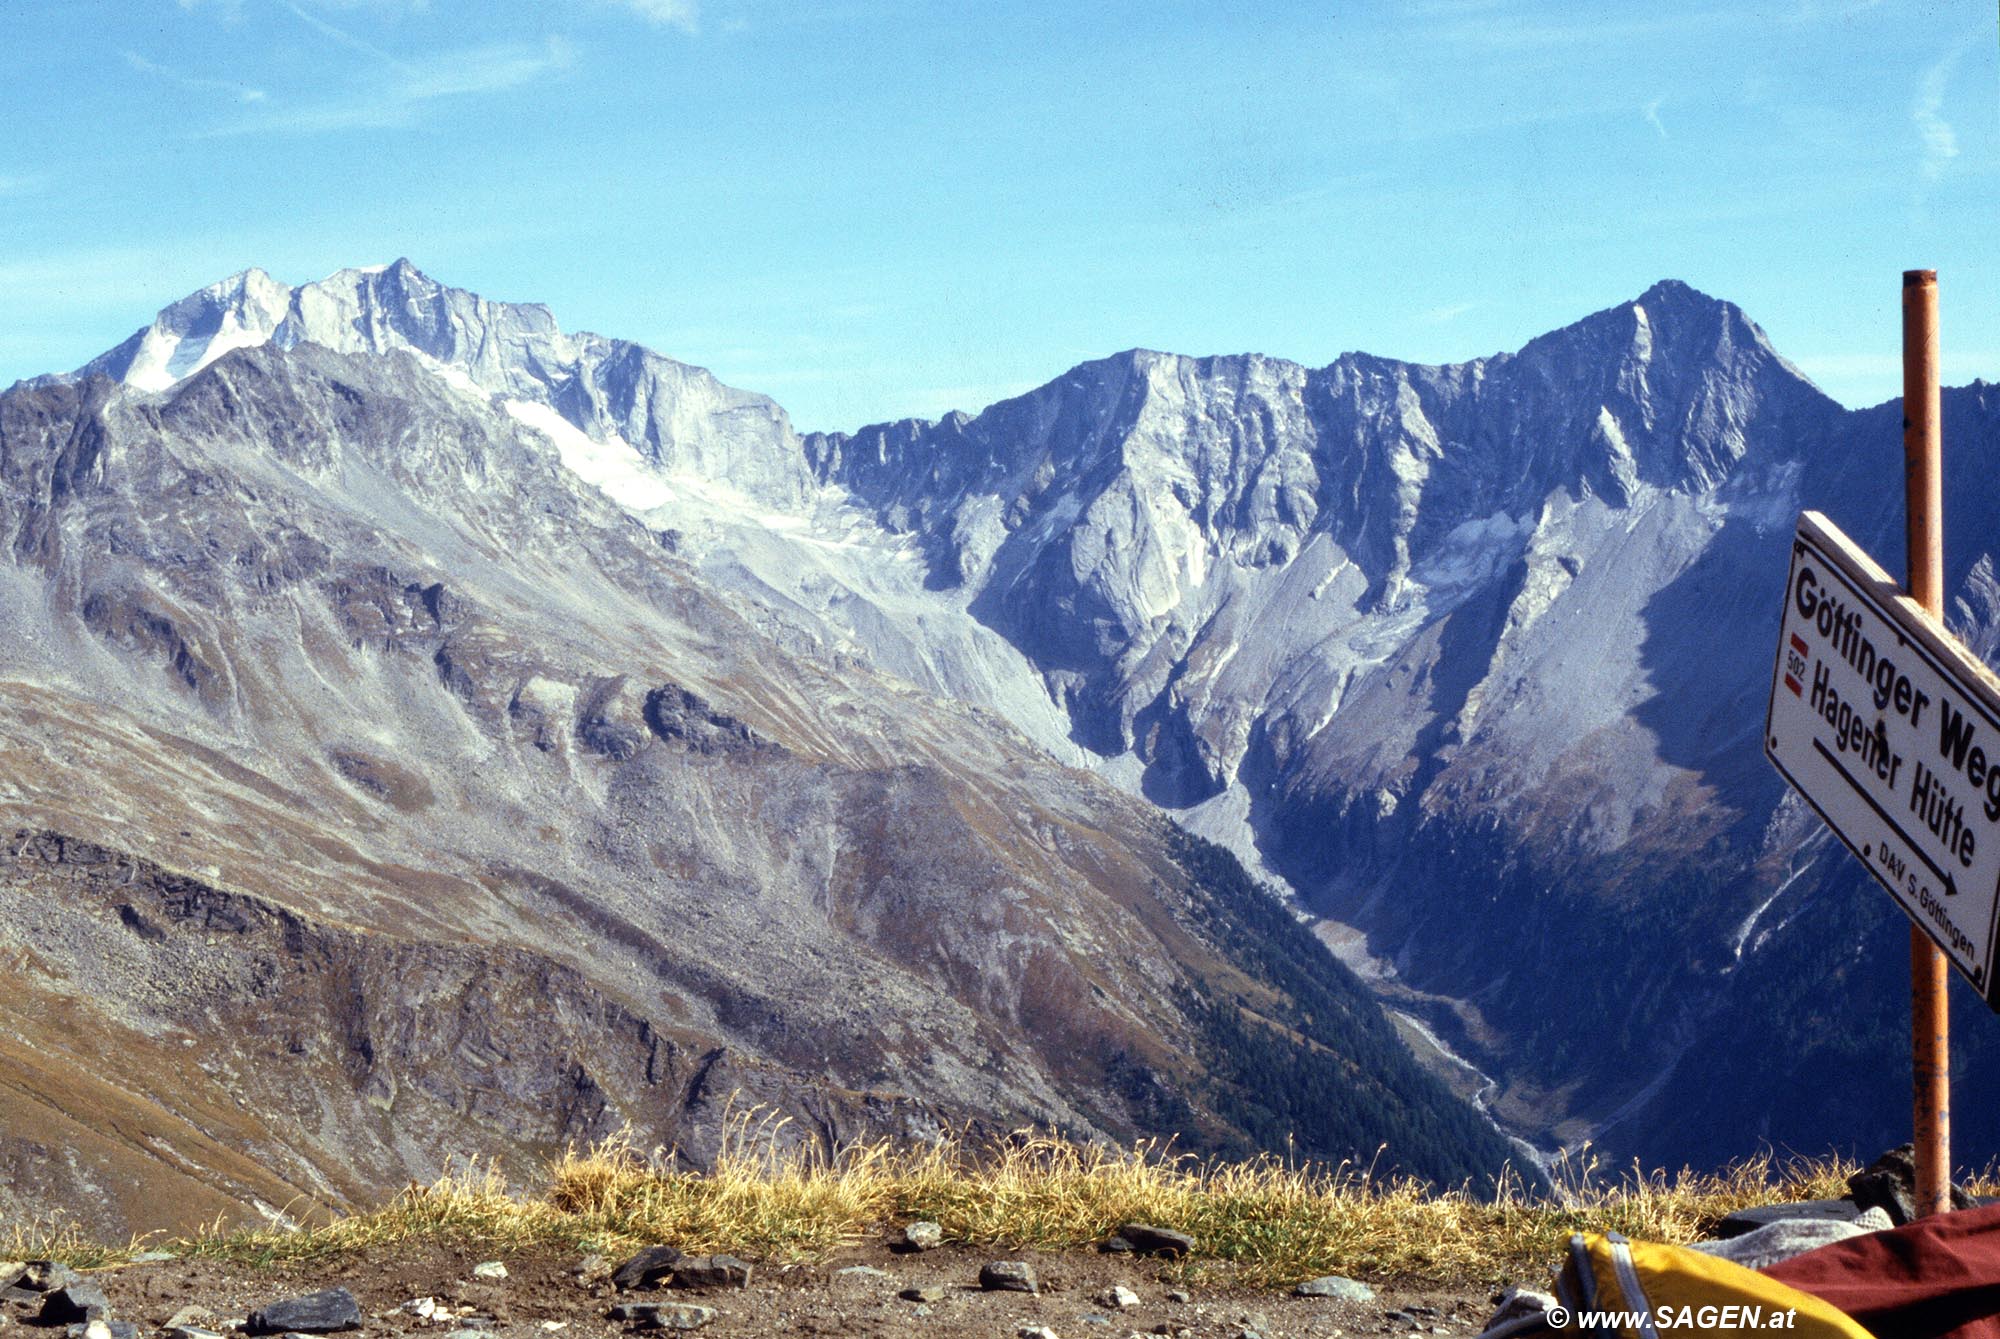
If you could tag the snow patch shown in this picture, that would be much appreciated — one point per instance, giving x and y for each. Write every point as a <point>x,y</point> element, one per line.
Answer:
<point>1475,552</point>
<point>149,367</point>
<point>164,359</point>
<point>613,468</point>
<point>456,378</point>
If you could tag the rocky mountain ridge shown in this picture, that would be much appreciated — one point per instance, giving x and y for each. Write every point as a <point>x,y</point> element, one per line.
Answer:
<point>1472,657</point>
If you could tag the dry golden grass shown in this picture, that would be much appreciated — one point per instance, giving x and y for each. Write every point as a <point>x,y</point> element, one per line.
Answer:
<point>42,1239</point>
<point>1264,1222</point>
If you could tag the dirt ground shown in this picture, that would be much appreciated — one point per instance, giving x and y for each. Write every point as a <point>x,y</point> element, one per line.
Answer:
<point>546,1297</point>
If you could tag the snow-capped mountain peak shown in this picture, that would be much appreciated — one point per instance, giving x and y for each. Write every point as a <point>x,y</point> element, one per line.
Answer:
<point>612,394</point>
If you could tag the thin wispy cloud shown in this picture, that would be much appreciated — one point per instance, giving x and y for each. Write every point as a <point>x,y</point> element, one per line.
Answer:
<point>682,14</point>
<point>18,186</point>
<point>382,6</point>
<point>1652,114</point>
<point>230,88</point>
<point>1502,30</point>
<point>1817,11</point>
<point>342,37</point>
<point>395,93</point>
<point>1938,143</point>
<point>1447,314</point>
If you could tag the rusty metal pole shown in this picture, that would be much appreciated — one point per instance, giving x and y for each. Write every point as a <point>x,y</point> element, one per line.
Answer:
<point>1930,1022</point>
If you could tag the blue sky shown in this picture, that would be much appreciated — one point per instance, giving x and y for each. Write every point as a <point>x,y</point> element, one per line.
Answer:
<point>870,209</point>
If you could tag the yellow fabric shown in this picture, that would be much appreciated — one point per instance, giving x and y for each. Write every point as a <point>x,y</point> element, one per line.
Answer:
<point>1673,1277</point>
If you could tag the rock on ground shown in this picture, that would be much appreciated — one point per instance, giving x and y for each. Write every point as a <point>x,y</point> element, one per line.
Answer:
<point>650,1268</point>
<point>1336,1285</point>
<point>1149,1240</point>
<point>1008,1276</point>
<point>324,1312</point>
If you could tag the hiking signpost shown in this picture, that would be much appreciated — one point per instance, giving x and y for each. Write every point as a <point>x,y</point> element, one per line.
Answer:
<point>1890,729</point>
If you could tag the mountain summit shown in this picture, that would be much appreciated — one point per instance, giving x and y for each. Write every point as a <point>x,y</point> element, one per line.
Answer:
<point>619,399</point>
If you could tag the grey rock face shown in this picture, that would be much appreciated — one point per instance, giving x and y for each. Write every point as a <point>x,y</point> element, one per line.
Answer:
<point>1474,656</point>
<point>680,717</point>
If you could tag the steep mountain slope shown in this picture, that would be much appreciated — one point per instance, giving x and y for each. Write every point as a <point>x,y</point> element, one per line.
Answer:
<point>382,794</point>
<point>1473,657</point>
<point>1476,655</point>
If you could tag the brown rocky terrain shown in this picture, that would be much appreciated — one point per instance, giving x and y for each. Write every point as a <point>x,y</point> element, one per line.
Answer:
<point>858,1292</point>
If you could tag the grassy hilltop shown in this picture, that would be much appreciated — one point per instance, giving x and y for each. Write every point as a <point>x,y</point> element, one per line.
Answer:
<point>1261,1223</point>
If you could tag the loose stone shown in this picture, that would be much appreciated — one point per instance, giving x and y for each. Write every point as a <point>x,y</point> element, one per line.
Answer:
<point>1336,1286</point>
<point>104,1329</point>
<point>45,1276</point>
<point>1149,1240</point>
<point>664,1315</point>
<point>1013,1276</point>
<point>711,1271</point>
<point>650,1268</point>
<point>923,1235</point>
<point>74,1303</point>
<point>324,1312</point>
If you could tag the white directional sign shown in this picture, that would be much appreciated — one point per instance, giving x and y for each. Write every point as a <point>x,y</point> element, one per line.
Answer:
<point>1890,729</point>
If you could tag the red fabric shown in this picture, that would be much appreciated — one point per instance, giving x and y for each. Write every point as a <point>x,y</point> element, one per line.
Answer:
<point>1938,1278</point>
